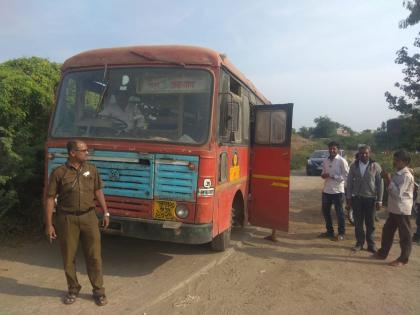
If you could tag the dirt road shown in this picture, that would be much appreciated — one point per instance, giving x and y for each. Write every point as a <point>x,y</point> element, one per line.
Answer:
<point>301,274</point>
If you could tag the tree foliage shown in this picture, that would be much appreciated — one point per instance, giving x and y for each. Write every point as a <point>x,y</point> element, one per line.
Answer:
<point>414,16</point>
<point>306,132</point>
<point>26,98</point>
<point>324,128</point>
<point>408,104</point>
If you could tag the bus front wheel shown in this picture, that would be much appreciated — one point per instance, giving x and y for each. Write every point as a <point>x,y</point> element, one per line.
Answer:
<point>221,242</point>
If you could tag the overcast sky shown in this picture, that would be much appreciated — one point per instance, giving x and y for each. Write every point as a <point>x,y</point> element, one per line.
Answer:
<point>333,58</point>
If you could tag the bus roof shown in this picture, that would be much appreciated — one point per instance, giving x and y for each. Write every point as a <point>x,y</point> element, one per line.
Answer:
<point>171,54</point>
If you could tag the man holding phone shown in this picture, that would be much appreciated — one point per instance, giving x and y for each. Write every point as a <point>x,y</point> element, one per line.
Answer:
<point>334,172</point>
<point>76,184</point>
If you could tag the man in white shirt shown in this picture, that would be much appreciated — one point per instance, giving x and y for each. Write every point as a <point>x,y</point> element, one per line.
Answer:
<point>334,172</point>
<point>400,203</point>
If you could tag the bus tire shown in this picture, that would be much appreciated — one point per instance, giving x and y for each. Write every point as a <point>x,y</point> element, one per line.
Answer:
<point>221,242</point>
<point>237,213</point>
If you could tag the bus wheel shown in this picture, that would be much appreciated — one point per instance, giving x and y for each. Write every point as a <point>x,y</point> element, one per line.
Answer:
<point>237,213</point>
<point>221,242</point>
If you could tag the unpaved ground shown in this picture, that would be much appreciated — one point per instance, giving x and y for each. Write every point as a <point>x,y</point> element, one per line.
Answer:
<point>301,274</point>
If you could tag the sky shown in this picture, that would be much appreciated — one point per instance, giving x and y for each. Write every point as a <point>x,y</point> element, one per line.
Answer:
<point>330,58</point>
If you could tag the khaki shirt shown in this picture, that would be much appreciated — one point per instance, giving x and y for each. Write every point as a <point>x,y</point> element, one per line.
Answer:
<point>75,189</point>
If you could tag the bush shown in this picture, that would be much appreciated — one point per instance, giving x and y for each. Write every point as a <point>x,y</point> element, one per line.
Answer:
<point>26,98</point>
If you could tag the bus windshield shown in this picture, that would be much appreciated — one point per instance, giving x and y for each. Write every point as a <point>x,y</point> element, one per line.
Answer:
<point>152,104</point>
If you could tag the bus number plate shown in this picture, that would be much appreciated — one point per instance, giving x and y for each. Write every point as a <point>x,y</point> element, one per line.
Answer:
<point>164,210</point>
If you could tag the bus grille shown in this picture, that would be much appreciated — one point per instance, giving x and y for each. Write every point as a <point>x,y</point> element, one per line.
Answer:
<point>174,179</point>
<point>137,175</point>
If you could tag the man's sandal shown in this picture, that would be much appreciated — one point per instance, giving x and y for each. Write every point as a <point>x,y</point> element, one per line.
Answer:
<point>100,300</point>
<point>69,298</point>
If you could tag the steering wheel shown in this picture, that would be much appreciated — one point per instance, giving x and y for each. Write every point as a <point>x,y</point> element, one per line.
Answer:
<point>119,123</point>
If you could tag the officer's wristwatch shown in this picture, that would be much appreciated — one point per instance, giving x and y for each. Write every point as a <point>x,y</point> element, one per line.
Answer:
<point>106,214</point>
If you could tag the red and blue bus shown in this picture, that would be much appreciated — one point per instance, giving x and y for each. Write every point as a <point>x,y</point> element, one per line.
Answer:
<point>187,147</point>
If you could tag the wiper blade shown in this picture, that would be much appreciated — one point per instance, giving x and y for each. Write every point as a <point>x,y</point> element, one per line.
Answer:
<point>151,58</point>
<point>105,85</point>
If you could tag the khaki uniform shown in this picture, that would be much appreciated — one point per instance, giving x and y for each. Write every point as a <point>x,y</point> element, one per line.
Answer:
<point>76,220</point>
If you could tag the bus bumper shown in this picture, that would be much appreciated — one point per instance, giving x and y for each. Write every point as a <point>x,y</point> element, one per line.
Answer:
<point>168,231</point>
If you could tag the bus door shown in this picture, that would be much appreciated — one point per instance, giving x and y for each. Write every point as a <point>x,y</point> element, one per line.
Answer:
<point>270,166</point>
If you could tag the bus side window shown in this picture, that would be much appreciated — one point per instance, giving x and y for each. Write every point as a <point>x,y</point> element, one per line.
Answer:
<point>223,167</point>
<point>235,109</point>
<point>223,100</point>
<point>230,110</point>
<point>245,119</point>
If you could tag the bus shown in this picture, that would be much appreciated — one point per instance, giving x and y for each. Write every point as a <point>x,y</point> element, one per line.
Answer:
<point>185,144</point>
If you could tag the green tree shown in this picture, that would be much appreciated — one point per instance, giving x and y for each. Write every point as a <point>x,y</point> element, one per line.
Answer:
<point>305,132</point>
<point>324,127</point>
<point>408,104</point>
<point>414,16</point>
<point>26,98</point>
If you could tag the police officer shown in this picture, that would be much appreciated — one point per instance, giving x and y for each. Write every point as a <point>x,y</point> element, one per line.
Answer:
<point>76,184</point>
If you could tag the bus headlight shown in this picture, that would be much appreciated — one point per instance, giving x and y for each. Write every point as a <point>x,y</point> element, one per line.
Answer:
<point>181,211</point>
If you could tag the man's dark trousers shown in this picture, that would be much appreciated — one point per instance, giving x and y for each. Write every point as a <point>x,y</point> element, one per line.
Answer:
<point>418,220</point>
<point>364,213</point>
<point>327,201</point>
<point>394,222</point>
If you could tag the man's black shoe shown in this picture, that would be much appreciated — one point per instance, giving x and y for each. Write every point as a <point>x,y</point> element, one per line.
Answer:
<point>326,235</point>
<point>372,249</point>
<point>357,248</point>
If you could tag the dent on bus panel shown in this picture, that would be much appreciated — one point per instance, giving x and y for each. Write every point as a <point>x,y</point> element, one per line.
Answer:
<point>169,105</point>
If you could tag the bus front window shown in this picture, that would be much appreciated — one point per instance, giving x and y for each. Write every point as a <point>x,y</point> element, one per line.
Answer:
<point>154,104</point>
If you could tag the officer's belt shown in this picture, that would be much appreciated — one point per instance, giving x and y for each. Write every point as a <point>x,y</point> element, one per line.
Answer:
<point>76,213</point>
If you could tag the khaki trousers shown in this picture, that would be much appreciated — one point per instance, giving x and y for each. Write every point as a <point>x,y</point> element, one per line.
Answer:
<point>71,229</point>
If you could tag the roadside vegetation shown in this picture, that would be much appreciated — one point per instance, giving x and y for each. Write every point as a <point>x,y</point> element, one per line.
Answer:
<point>26,98</point>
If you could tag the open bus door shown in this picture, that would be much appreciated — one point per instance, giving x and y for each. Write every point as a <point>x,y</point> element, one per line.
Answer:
<point>270,166</point>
